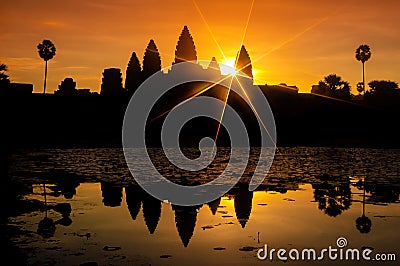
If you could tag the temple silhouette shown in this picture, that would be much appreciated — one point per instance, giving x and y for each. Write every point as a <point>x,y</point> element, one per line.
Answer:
<point>77,117</point>
<point>185,48</point>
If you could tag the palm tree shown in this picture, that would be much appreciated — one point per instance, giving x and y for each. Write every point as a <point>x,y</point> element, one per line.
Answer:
<point>333,86</point>
<point>46,51</point>
<point>363,54</point>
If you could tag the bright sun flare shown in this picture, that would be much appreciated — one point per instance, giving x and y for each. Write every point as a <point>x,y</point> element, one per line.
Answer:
<point>228,67</point>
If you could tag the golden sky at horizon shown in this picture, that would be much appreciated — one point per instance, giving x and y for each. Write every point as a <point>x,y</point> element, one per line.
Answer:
<point>294,42</point>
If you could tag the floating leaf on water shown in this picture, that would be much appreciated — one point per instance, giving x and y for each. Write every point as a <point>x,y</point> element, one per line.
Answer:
<point>247,248</point>
<point>207,227</point>
<point>108,248</point>
<point>287,199</point>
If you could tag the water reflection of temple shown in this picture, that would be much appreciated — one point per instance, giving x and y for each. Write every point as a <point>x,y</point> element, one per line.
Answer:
<point>151,211</point>
<point>151,207</point>
<point>112,194</point>
<point>133,200</point>
<point>185,220</point>
<point>243,201</point>
<point>213,205</point>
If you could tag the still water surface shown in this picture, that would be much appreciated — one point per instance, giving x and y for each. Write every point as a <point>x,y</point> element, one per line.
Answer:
<point>82,205</point>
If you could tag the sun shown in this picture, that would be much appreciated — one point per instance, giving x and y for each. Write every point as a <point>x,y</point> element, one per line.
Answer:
<point>228,67</point>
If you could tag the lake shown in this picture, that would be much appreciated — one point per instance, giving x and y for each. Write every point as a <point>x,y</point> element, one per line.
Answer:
<point>76,206</point>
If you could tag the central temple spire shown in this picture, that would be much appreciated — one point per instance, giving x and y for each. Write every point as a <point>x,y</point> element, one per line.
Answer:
<point>185,48</point>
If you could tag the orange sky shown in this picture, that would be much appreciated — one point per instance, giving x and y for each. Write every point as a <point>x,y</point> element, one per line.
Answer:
<point>291,41</point>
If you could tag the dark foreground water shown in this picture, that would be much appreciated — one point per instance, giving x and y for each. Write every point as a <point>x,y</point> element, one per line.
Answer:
<point>73,206</point>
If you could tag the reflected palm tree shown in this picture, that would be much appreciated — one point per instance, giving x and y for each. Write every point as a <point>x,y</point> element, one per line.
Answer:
<point>133,199</point>
<point>46,227</point>
<point>243,201</point>
<point>151,211</point>
<point>333,197</point>
<point>185,219</point>
<point>112,194</point>
<point>65,210</point>
<point>363,223</point>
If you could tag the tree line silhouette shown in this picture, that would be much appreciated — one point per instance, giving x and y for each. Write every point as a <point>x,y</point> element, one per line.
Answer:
<point>80,117</point>
<point>331,85</point>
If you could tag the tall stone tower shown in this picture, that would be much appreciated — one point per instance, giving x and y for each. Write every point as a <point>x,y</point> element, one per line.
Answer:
<point>185,48</point>
<point>133,77</point>
<point>112,82</point>
<point>151,60</point>
<point>214,65</point>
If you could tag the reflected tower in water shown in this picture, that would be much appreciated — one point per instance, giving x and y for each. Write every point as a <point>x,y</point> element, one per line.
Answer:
<point>133,197</point>
<point>151,211</point>
<point>185,219</point>
<point>243,201</point>
<point>214,205</point>
<point>112,194</point>
<point>136,197</point>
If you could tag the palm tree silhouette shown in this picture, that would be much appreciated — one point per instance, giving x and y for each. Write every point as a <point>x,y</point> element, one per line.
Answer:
<point>46,51</point>
<point>363,54</point>
<point>46,227</point>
